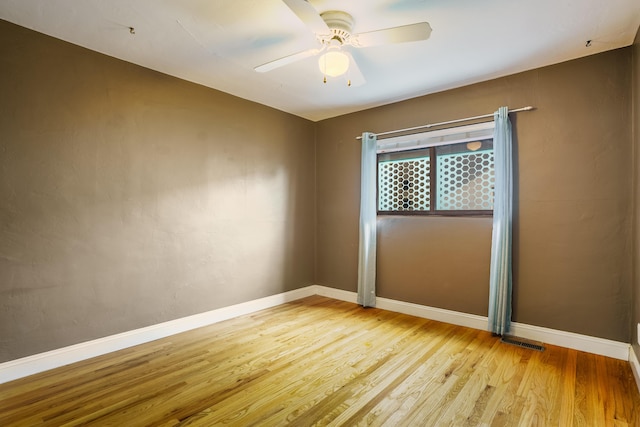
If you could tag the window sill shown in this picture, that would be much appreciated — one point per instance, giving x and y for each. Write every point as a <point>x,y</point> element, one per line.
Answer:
<point>472,214</point>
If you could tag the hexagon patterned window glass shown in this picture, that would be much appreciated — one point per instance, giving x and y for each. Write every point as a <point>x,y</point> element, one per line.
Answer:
<point>446,171</point>
<point>465,178</point>
<point>404,181</point>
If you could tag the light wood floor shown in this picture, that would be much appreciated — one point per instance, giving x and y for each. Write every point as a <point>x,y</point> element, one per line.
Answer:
<point>319,361</point>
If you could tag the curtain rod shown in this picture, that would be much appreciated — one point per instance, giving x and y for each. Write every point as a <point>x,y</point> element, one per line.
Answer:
<point>528,108</point>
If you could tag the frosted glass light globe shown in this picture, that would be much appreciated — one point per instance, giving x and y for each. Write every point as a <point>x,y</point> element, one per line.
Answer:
<point>334,63</point>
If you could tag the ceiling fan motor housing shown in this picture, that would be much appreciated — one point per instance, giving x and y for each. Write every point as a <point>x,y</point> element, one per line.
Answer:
<point>340,23</point>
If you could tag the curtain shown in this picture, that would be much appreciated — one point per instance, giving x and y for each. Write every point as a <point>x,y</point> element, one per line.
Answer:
<point>368,212</point>
<point>500,277</point>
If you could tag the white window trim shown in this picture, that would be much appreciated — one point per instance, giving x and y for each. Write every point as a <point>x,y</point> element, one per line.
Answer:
<point>475,132</point>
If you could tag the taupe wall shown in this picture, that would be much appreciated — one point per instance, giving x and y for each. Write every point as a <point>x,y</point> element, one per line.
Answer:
<point>572,240</point>
<point>128,197</point>
<point>636,212</point>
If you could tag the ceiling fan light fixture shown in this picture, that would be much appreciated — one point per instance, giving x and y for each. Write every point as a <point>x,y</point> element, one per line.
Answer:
<point>474,145</point>
<point>334,63</point>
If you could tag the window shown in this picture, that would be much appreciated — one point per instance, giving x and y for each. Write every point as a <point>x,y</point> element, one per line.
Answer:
<point>447,172</point>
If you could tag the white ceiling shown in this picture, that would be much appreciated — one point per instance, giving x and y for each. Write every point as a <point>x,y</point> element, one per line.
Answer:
<point>217,43</point>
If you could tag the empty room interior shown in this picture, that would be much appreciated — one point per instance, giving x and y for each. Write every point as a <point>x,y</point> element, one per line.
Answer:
<point>182,193</point>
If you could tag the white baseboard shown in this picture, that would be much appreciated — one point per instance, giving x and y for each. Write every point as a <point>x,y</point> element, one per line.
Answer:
<point>601,346</point>
<point>442,315</point>
<point>30,365</point>
<point>586,343</point>
<point>635,366</point>
<point>448,316</point>
<point>338,294</point>
<point>52,359</point>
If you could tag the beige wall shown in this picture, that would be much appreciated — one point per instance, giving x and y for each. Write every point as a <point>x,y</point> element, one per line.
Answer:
<point>572,245</point>
<point>635,319</point>
<point>128,197</point>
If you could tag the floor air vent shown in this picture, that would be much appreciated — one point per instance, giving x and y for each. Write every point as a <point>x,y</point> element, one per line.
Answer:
<point>522,343</point>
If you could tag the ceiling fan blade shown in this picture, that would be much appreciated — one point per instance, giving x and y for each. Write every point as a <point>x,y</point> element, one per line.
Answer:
<point>271,65</point>
<point>406,33</point>
<point>353,74</point>
<point>309,15</point>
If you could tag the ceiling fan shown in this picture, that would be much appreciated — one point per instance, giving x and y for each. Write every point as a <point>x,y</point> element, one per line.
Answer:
<point>333,30</point>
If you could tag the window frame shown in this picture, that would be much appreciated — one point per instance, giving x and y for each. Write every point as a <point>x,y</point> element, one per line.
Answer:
<point>430,140</point>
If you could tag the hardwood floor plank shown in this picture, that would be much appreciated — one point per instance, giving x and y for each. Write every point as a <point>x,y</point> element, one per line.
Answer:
<point>568,391</point>
<point>395,405</point>
<point>588,410</point>
<point>383,382</point>
<point>504,375</point>
<point>317,362</point>
<point>437,410</point>
<point>620,386</point>
<point>474,387</point>
<point>357,363</point>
